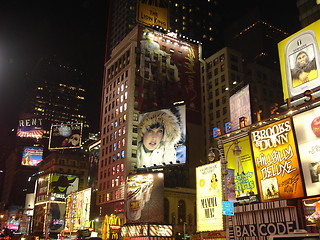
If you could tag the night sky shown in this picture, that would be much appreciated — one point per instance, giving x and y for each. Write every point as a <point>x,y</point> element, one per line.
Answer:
<point>75,31</point>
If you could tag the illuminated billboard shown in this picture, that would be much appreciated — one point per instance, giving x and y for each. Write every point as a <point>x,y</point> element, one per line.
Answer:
<point>149,14</point>
<point>144,198</point>
<point>307,129</point>
<point>240,107</point>
<point>65,136</point>
<point>299,61</point>
<point>240,161</point>
<point>311,209</point>
<point>162,137</point>
<point>168,71</point>
<point>56,216</point>
<point>209,197</point>
<point>39,218</point>
<point>31,156</point>
<point>78,210</point>
<point>276,161</point>
<point>61,185</point>
<point>30,127</point>
<point>42,188</point>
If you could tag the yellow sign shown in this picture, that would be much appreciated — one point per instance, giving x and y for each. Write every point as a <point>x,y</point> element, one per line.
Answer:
<point>240,160</point>
<point>152,15</point>
<point>276,161</point>
<point>299,57</point>
<point>209,197</point>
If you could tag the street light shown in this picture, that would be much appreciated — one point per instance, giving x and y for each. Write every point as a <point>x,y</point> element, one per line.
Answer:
<point>212,155</point>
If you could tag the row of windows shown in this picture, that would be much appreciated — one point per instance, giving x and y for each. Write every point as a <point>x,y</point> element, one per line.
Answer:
<point>117,194</point>
<point>120,64</point>
<point>115,169</point>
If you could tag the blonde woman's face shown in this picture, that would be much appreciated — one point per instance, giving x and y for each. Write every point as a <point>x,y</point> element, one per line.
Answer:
<point>152,138</point>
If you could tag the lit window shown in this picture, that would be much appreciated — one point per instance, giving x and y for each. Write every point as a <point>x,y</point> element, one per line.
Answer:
<point>125,107</point>
<point>123,142</point>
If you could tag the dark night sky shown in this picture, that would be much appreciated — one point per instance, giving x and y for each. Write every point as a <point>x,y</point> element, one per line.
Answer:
<point>75,30</point>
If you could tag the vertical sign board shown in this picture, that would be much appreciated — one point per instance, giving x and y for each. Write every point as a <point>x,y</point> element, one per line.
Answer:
<point>240,161</point>
<point>209,197</point>
<point>276,161</point>
<point>311,207</point>
<point>144,198</point>
<point>240,107</point>
<point>307,129</point>
<point>299,61</point>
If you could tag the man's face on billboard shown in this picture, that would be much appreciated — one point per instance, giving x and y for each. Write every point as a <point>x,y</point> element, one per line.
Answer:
<point>152,138</point>
<point>302,59</point>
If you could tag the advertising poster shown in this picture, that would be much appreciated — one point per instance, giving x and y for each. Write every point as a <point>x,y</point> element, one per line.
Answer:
<point>299,61</point>
<point>31,156</point>
<point>149,14</point>
<point>240,107</point>
<point>42,188</point>
<point>311,209</point>
<point>162,137</point>
<point>62,185</point>
<point>78,210</point>
<point>144,198</point>
<point>38,218</point>
<point>57,212</point>
<point>169,69</point>
<point>240,161</point>
<point>30,127</point>
<point>209,197</point>
<point>276,161</point>
<point>307,129</point>
<point>65,136</point>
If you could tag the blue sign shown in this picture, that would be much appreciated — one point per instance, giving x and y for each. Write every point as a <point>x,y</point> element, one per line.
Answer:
<point>227,208</point>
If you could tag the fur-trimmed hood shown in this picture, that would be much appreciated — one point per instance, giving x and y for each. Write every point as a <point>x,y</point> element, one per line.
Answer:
<point>172,132</point>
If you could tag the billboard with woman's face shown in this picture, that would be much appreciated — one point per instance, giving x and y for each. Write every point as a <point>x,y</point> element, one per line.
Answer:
<point>162,138</point>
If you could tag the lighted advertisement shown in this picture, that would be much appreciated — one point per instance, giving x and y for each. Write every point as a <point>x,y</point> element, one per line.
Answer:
<point>209,197</point>
<point>240,161</point>
<point>38,218</point>
<point>31,156</point>
<point>311,209</point>
<point>30,127</point>
<point>276,161</point>
<point>111,227</point>
<point>62,185</point>
<point>42,188</point>
<point>65,136</point>
<point>149,15</point>
<point>15,217</point>
<point>307,129</point>
<point>240,107</point>
<point>56,216</point>
<point>144,198</point>
<point>78,210</point>
<point>169,71</point>
<point>299,61</point>
<point>162,138</point>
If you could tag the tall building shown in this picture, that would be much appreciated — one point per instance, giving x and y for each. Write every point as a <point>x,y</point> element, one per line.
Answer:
<point>148,71</point>
<point>190,19</point>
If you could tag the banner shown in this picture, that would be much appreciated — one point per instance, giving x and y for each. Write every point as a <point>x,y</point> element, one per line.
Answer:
<point>31,156</point>
<point>276,161</point>
<point>209,197</point>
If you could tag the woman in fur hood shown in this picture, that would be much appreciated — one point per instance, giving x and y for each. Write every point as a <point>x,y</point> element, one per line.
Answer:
<point>158,133</point>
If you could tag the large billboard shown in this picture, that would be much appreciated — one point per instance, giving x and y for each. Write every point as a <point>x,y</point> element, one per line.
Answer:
<point>240,160</point>
<point>42,188</point>
<point>209,197</point>
<point>307,129</point>
<point>152,14</point>
<point>78,210</point>
<point>162,137</point>
<point>61,185</point>
<point>144,198</point>
<point>276,161</point>
<point>300,61</point>
<point>240,107</point>
<point>56,216</point>
<point>65,136</point>
<point>31,156</point>
<point>168,71</point>
<point>30,127</point>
